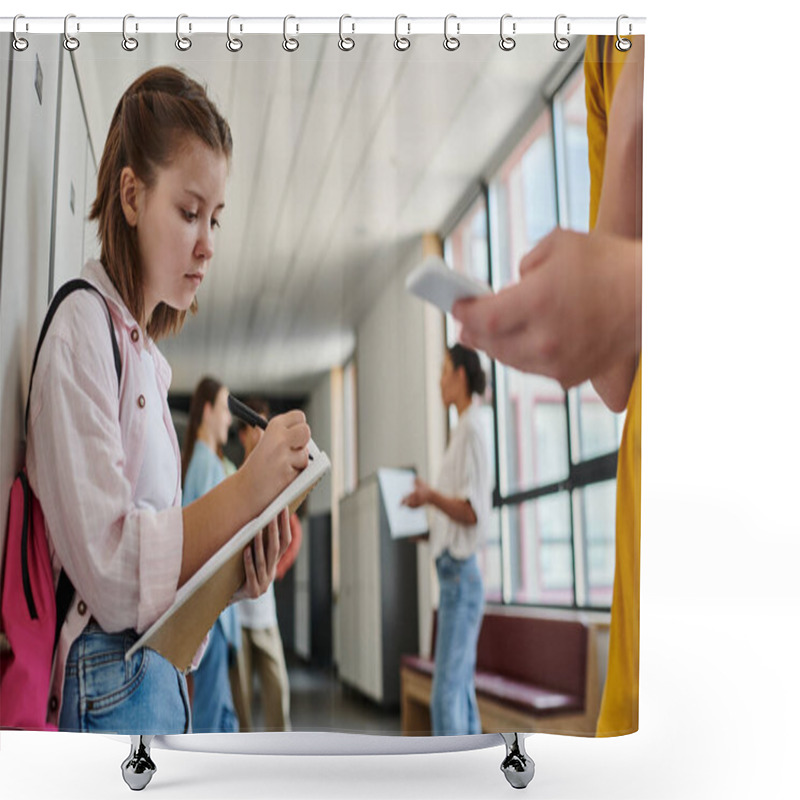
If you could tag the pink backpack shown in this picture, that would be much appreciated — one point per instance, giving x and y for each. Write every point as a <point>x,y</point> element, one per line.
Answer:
<point>32,611</point>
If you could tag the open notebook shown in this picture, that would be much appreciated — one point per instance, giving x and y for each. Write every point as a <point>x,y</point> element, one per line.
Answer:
<point>179,631</point>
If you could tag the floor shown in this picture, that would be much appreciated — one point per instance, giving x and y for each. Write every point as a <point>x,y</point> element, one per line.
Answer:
<point>320,702</point>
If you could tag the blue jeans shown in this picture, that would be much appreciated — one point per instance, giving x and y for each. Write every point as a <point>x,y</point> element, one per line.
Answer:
<point>454,708</point>
<point>212,700</point>
<point>104,693</point>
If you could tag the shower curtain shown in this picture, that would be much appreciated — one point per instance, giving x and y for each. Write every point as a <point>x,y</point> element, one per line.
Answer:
<point>515,160</point>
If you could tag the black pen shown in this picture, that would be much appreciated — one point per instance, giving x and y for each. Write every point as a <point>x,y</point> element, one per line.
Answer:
<point>246,414</point>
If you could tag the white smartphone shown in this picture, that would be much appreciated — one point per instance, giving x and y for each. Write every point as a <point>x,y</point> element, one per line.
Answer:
<point>435,282</point>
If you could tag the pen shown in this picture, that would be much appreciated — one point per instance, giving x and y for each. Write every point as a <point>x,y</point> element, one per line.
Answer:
<point>246,414</point>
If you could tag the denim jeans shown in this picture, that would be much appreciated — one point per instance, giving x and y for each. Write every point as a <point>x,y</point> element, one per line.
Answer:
<point>454,708</point>
<point>104,693</point>
<point>212,700</point>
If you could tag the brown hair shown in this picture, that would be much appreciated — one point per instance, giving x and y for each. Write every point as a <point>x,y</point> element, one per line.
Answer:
<point>259,405</point>
<point>151,122</point>
<point>205,392</point>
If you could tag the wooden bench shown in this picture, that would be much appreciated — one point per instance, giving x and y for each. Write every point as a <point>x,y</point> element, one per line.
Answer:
<point>533,674</point>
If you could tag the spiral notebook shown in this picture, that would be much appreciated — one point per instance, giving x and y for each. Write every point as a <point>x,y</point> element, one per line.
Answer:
<point>360,149</point>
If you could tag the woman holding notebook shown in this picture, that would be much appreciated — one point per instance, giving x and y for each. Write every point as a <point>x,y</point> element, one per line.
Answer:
<point>460,504</point>
<point>102,454</point>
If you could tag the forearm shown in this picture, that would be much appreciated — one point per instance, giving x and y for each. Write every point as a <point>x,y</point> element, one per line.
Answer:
<point>458,510</point>
<point>614,385</point>
<point>620,213</point>
<point>211,520</point>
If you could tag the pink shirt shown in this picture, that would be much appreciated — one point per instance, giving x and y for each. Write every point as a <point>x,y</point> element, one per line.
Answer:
<point>86,440</point>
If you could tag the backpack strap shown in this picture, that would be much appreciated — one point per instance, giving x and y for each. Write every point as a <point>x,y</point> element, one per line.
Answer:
<point>65,591</point>
<point>67,289</point>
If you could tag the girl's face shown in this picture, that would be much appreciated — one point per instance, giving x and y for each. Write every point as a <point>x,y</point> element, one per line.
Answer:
<point>176,220</point>
<point>218,417</point>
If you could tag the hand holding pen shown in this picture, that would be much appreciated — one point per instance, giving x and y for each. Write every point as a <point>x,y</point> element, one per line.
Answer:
<point>246,414</point>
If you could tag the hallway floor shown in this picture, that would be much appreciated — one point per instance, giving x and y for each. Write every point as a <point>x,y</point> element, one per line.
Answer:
<point>320,702</point>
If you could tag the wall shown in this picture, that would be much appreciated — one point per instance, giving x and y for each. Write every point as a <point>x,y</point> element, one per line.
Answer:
<point>399,347</point>
<point>391,381</point>
<point>318,415</point>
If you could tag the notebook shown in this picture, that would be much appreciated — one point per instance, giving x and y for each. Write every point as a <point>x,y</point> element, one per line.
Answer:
<point>180,630</point>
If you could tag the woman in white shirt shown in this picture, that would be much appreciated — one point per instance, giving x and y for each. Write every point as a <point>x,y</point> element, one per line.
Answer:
<point>460,504</point>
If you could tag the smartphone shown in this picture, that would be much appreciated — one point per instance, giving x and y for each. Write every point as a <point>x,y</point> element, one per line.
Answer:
<point>436,283</point>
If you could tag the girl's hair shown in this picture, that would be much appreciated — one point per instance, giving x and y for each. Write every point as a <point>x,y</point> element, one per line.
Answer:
<point>461,356</point>
<point>205,392</point>
<point>154,118</point>
<point>259,405</point>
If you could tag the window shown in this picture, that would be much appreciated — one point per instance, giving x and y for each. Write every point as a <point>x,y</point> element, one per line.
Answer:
<point>554,453</point>
<point>467,251</point>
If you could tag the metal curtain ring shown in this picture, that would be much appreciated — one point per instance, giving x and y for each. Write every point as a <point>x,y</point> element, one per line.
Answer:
<point>19,43</point>
<point>233,44</point>
<point>623,45</point>
<point>70,42</point>
<point>183,43</point>
<point>290,44</point>
<point>129,43</point>
<point>346,43</point>
<point>401,42</point>
<point>451,42</point>
<point>560,43</point>
<point>507,42</point>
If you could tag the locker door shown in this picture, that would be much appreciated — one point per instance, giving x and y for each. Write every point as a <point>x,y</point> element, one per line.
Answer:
<point>32,103</point>
<point>70,210</point>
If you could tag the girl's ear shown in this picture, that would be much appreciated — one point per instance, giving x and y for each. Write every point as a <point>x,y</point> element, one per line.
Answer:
<point>128,195</point>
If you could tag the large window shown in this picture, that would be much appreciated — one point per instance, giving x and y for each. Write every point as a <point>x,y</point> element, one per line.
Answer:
<point>554,453</point>
<point>467,251</point>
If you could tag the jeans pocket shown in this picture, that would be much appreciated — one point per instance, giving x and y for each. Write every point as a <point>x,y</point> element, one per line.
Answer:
<point>109,680</point>
<point>447,568</point>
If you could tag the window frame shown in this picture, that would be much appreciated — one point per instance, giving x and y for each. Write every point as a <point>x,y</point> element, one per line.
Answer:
<point>581,472</point>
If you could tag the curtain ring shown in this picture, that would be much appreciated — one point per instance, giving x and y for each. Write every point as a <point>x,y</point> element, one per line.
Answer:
<point>623,45</point>
<point>401,43</point>
<point>183,43</point>
<point>346,43</point>
<point>233,44</point>
<point>560,43</point>
<point>19,43</point>
<point>70,42</point>
<point>507,42</point>
<point>129,43</point>
<point>451,43</point>
<point>290,44</point>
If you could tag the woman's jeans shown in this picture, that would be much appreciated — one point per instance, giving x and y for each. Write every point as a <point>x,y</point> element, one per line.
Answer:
<point>105,693</point>
<point>212,699</point>
<point>454,708</point>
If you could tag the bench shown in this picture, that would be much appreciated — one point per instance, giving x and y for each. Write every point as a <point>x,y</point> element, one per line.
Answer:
<point>533,674</point>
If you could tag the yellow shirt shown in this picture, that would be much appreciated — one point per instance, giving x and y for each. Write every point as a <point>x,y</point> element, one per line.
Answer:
<point>619,709</point>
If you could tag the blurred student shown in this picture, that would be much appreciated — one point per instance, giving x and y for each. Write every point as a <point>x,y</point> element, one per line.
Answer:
<point>575,315</point>
<point>262,647</point>
<point>461,502</point>
<point>213,708</point>
<point>102,454</point>
<point>209,422</point>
